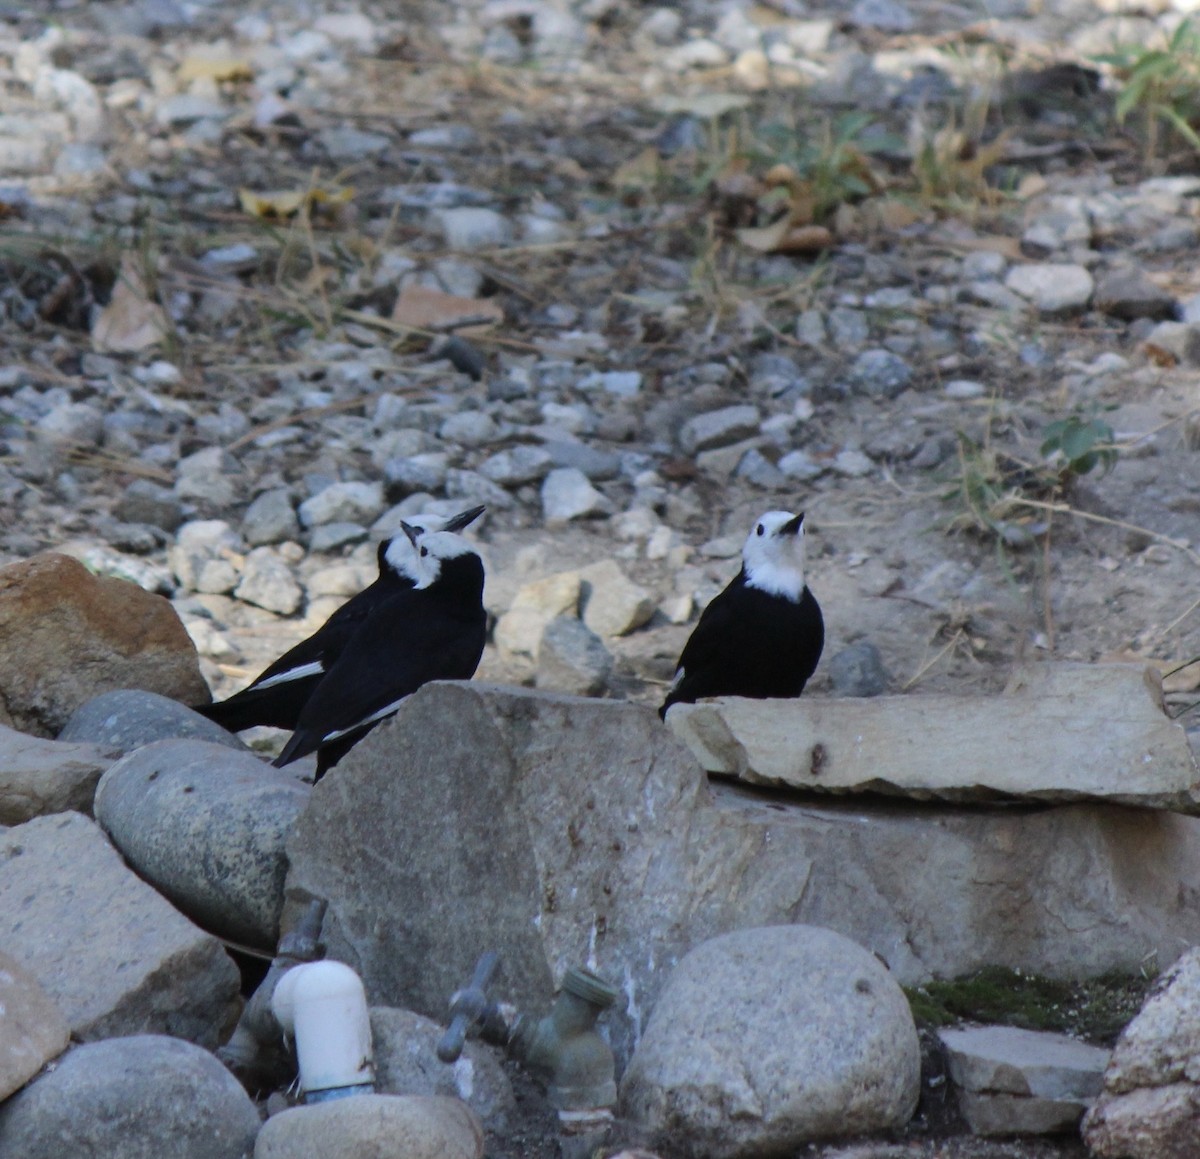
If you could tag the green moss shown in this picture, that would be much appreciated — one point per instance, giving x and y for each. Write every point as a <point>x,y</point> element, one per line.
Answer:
<point>1093,1008</point>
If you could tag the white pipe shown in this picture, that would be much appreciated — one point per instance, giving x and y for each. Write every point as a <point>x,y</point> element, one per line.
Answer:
<point>322,1006</point>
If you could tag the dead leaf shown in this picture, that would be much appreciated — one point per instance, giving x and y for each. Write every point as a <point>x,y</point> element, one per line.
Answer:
<point>424,309</point>
<point>786,237</point>
<point>199,66</point>
<point>279,204</point>
<point>130,322</point>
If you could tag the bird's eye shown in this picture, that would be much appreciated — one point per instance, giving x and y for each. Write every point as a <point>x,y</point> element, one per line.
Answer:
<point>760,530</point>
<point>424,551</point>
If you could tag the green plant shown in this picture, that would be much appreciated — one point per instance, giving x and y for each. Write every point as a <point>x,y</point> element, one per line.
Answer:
<point>1080,445</point>
<point>1163,85</point>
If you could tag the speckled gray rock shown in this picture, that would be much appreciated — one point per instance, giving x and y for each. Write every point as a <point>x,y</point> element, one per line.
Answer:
<point>472,228</point>
<point>744,1059</point>
<point>39,776</point>
<point>719,428</point>
<point>267,582</point>
<point>1150,1105</point>
<point>112,953</point>
<point>572,659</point>
<point>1130,294</point>
<point>146,502</point>
<point>142,1097</point>
<point>270,518</point>
<point>128,718</point>
<point>517,466</point>
<point>880,373</point>
<point>858,670</point>
<point>382,1126</point>
<point>32,1028</point>
<point>406,1063</point>
<point>567,494</point>
<point>207,827</point>
<point>343,503</point>
<point>1053,288</point>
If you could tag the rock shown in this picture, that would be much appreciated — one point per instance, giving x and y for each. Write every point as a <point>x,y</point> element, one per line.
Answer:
<point>270,519</point>
<point>472,228</point>
<point>142,1097</point>
<point>567,494</point>
<point>382,1126</point>
<point>659,858</point>
<point>1054,288</point>
<point>203,556</point>
<point>1022,1082</point>
<point>517,466</point>
<point>519,630</point>
<point>129,718</point>
<point>40,776</point>
<point>1174,342</point>
<point>880,374</point>
<point>406,1063</point>
<point>858,671</point>
<point>146,502</point>
<point>206,826</point>
<point>1150,1105</point>
<point>597,465</point>
<point>343,503</point>
<point>267,582</point>
<point>612,604</point>
<point>114,956</point>
<point>32,1028</point>
<point>764,1039</point>
<point>1122,749</point>
<point>572,659</point>
<point>1130,294</point>
<point>853,463</point>
<point>69,635</point>
<point>719,428</point>
<point>886,15</point>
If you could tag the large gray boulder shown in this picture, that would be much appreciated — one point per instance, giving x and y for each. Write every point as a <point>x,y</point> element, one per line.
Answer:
<point>32,1028</point>
<point>113,954</point>
<point>143,1097</point>
<point>765,1039</point>
<point>559,831</point>
<point>1150,1105</point>
<point>127,718</point>
<point>39,776</point>
<point>206,825</point>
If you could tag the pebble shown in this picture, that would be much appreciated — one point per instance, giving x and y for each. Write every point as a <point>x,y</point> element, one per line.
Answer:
<point>613,605</point>
<point>470,228</point>
<point>852,463</point>
<point>568,494</point>
<point>267,582</point>
<point>963,389</point>
<point>343,502</point>
<point>1129,294</point>
<point>1054,289</point>
<point>880,373</point>
<point>517,466</point>
<point>572,658</point>
<point>858,670</point>
<point>719,428</point>
<point>270,518</point>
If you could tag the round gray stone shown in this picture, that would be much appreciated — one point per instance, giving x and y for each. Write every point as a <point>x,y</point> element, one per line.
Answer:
<point>858,671</point>
<point>206,827</point>
<point>128,718</point>
<point>767,1038</point>
<point>145,1097</point>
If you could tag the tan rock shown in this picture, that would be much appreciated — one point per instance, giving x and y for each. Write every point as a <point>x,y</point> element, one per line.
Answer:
<point>67,635</point>
<point>1060,732</point>
<point>519,630</point>
<point>32,1028</point>
<point>613,604</point>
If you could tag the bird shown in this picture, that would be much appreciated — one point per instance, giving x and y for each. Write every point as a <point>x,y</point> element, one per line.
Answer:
<point>434,630</point>
<point>278,694</point>
<point>762,636</point>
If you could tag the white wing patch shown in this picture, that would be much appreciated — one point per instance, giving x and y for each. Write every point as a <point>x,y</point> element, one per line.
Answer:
<point>313,668</point>
<point>677,681</point>
<point>379,714</point>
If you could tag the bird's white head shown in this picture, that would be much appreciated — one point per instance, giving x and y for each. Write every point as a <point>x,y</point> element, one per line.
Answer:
<point>402,553</point>
<point>432,549</point>
<point>773,554</point>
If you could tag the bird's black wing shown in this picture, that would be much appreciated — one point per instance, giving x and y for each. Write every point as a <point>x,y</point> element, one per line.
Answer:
<point>703,653</point>
<point>400,646</point>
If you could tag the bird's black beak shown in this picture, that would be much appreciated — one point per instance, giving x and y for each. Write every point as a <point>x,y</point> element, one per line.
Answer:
<point>792,526</point>
<point>464,519</point>
<point>413,533</point>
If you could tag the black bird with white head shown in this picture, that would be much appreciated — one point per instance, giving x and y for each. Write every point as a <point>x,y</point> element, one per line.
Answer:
<point>434,630</point>
<point>763,635</point>
<point>277,696</point>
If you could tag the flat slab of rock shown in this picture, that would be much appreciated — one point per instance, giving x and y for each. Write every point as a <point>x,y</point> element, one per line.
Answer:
<point>584,831</point>
<point>32,1028</point>
<point>112,953</point>
<point>69,635</point>
<point>1014,1081</point>
<point>1059,732</point>
<point>39,776</point>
